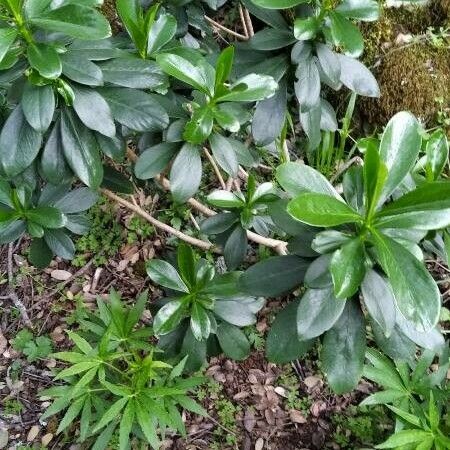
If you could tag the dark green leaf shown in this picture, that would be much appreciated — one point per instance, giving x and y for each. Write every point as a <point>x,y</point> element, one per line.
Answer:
<point>233,341</point>
<point>80,69</point>
<point>346,35</point>
<point>343,350</point>
<point>224,154</point>
<point>38,106</point>
<point>60,243</point>
<point>45,60</point>
<point>161,272</point>
<point>154,160</point>
<point>235,247</point>
<point>40,255</point>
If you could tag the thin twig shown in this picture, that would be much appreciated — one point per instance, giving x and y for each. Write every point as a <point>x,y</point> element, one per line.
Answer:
<point>248,21</point>
<point>344,167</point>
<point>215,167</point>
<point>161,225</point>
<point>11,294</point>
<point>227,30</point>
<point>244,23</point>
<point>279,246</point>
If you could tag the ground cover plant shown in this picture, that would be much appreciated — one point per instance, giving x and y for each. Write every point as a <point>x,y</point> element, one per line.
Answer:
<point>204,243</point>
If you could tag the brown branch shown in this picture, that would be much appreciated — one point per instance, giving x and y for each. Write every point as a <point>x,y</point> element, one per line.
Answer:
<point>278,245</point>
<point>248,21</point>
<point>158,224</point>
<point>215,167</point>
<point>227,30</point>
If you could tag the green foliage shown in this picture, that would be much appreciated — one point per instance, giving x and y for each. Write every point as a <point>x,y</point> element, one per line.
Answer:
<point>203,307</point>
<point>115,382</point>
<point>33,348</point>
<point>418,397</point>
<point>364,233</point>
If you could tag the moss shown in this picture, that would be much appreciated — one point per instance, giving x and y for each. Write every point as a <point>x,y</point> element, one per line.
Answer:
<point>414,20</point>
<point>410,78</point>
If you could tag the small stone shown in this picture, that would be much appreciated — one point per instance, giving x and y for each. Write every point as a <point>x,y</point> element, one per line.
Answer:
<point>312,382</point>
<point>60,275</point>
<point>281,391</point>
<point>32,434</point>
<point>4,437</point>
<point>259,444</point>
<point>46,439</point>
<point>297,416</point>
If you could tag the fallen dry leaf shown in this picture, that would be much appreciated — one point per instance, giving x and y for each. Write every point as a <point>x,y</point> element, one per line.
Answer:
<point>297,416</point>
<point>60,275</point>
<point>32,434</point>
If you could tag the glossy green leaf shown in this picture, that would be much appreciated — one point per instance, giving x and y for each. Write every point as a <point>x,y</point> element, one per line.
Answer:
<point>11,230</point>
<point>161,32</point>
<point>250,88</point>
<point>19,143</point>
<point>40,255</point>
<point>416,293</point>
<point>60,243</point>
<point>169,316</point>
<point>346,35</point>
<point>154,160</point>
<point>224,64</point>
<point>135,109</point>
<point>225,199</point>
<point>233,341</point>
<point>161,272</point>
<point>186,172</point>
<point>38,106</point>
<point>296,179</point>
<point>399,148</point>
<point>274,276</point>
<point>307,87</point>
<point>200,323</point>
<point>343,350</point>
<point>347,268</point>
<point>224,154</point>
<point>366,10</point>
<point>271,39</point>
<point>318,311</point>
<point>75,20</point>
<point>306,29</point>
<point>357,77</point>
<point>379,301</point>
<point>47,216</point>
<point>235,247</point>
<point>283,344</point>
<point>81,69</point>
<point>81,150</point>
<point>199,127</point>
<point>7,38</point>
<point>424,208</point>
<point>437,153</point>
<point>45,60</point>
<point>321,210</point>
<point>93,110</point>
<point>133,73</point>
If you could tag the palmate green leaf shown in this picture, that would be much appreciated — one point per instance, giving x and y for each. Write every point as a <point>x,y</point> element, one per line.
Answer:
<point>76,369</point>
<point>111,413</point>
<point>185,173</point>
<point>346,35</point>
<point>383,397</point>
<point>74,20</point>
<point>416,293</point>
<point>399,148</point>
<point>318,311</point>
<point>233,341</point>
<point>424,208</point>
<point>321,210</point>
<point>38,106</point>
<point>19,143</point>
<point>71,413</point>
<point>81,150</point>
<point>405,437</point>
<point>283,344</point>
<point>147,424</point>
<point>343,350</point>
<point>274,276</point>
<point>45,60</point>
<point>126,424</point>
<point>278,4</point>
<point>347,268</point>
